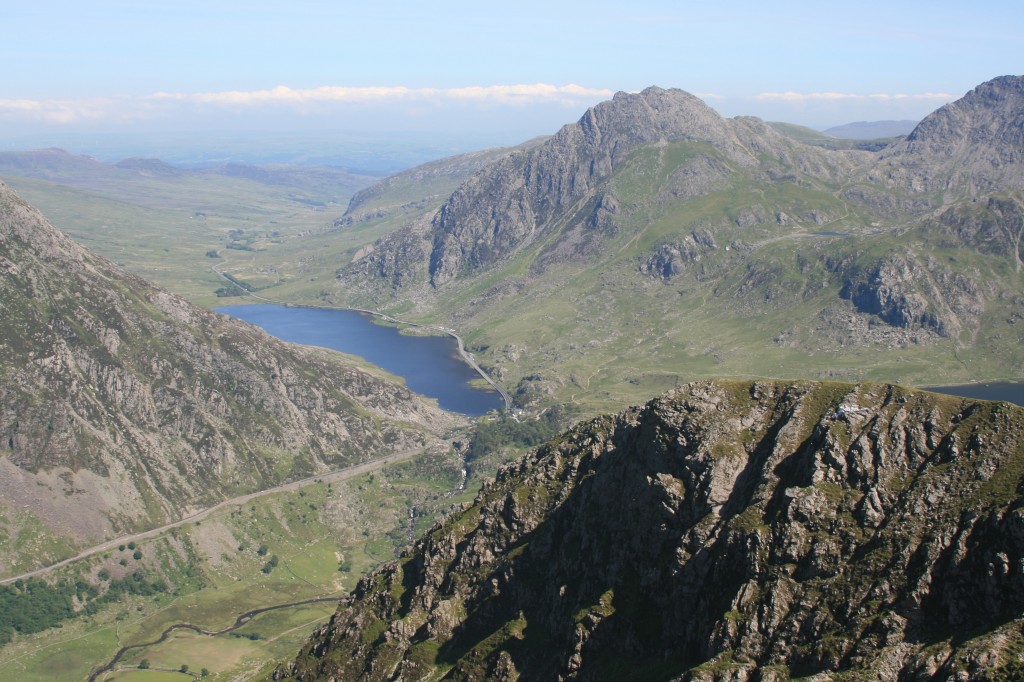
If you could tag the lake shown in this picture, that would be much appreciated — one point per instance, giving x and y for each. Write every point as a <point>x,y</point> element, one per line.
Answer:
<point>430,365</point>
<point>1009,391</point>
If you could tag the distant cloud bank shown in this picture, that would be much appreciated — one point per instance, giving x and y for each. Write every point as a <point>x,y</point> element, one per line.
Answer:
<point>503,94</point>
<point>532,108</point>
<point>123,108</point>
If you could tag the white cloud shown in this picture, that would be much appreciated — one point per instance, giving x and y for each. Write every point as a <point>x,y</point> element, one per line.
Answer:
<point>501,94</point>
<point>847,96</point>
<point>60,111</point>
<point>125,108</point>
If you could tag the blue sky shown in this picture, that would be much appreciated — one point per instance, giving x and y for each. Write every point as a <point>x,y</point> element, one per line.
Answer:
<point>511,70</point>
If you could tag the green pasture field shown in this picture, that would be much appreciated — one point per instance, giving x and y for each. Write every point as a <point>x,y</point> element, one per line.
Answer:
<point>325,536</point>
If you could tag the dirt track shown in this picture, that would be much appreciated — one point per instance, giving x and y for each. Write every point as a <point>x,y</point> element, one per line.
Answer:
<point>338,475</point>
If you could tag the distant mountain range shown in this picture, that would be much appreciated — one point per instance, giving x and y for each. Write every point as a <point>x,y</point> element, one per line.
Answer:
<point>58,165</point>
<point>868,130</point>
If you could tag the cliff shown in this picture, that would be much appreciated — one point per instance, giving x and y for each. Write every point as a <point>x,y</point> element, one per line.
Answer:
<point>122,406</point>
<point>725,531</point>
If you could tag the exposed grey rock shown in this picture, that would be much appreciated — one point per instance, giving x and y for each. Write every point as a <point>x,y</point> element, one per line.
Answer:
<point>510,203</point>
<point>670,260</point>
<point>154,406</point>
<point>909,293</point>
<point>725,531</point>
<point>974,145</point>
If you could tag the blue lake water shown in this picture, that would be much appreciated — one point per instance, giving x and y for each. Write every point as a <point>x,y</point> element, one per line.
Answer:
<point>1010,391</point>
<point>430,365</point>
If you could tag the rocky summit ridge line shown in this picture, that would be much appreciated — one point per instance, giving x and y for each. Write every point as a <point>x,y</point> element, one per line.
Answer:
<point>725,531</point>
<point>972,146</point>
<point>123,407</point>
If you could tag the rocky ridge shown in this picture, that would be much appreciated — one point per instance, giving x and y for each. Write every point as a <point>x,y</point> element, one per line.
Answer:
<point>558,185</point>
<point>725,531</point>
<point>970,147</point>
<point>122,406</point>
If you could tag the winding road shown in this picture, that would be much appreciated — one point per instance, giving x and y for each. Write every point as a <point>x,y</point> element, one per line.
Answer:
<point>337,475</point>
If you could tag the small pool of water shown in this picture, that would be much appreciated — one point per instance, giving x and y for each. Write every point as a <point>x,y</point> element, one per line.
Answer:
<point>1010,391</point>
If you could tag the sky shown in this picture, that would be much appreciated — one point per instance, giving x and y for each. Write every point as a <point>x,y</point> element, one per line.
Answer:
<point>488,72</point>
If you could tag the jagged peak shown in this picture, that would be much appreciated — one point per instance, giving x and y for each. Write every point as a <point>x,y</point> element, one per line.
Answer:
<point>998,103</point>
<point>975,144</point>
<point>655,113</point>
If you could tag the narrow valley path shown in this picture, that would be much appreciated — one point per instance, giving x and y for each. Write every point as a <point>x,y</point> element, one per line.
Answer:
<point>239,622</point>
<point>336,475</point>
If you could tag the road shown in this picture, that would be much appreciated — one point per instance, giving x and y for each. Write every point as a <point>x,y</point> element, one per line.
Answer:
<point>466,356</point>
<point>337,475</point>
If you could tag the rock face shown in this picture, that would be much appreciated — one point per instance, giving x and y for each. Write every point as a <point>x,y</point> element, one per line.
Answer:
<point>526,192</point>
<point>670,260</point>
<point>528,195</point>
<point>123,406</point>
<point>725,531</point>
<point>975,144</point>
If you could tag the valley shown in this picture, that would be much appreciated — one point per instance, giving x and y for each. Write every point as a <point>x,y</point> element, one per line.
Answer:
<point>728,252</point>
<point>175,470</point>
<point>321,537</point>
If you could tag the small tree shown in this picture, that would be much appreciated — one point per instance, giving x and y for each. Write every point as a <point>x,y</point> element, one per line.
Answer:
<point>144,664</point>
<point>183,668</point>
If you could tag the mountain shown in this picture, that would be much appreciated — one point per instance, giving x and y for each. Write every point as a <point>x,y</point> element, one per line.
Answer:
<point>558,185</point>
<point>871,130</point>
<point>123,407</point>
<point>969,147</point>
<point>655,239</point>
<point>725,531</point>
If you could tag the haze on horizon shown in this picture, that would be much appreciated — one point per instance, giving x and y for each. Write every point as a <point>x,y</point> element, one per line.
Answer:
<point>469,75</point>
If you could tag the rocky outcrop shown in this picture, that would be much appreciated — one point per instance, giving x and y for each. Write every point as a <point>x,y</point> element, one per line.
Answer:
<point>912,293</point>
<point>887,292</point>
<point>993,225</point>
<point>725,531</point>
<point>146,406</point>
<point>669,260</point>
<point>972,146</point>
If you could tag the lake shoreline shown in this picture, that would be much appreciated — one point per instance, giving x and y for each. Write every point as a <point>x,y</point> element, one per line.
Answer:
<point>431,365</point>
<point>1007,391</point>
